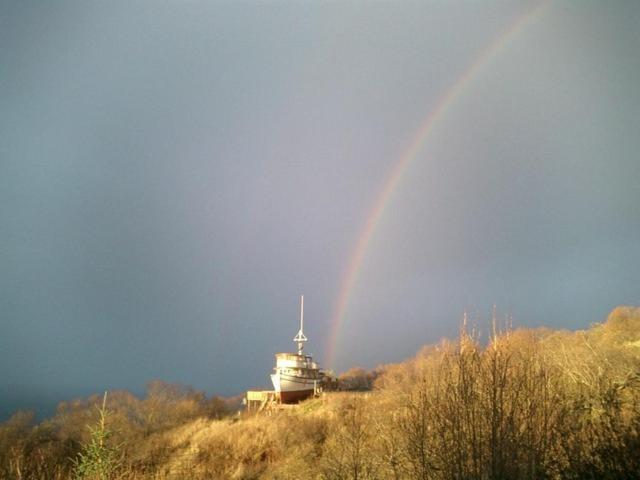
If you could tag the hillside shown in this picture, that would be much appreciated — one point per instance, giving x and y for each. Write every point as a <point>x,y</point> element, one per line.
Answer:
<point>530,404</point>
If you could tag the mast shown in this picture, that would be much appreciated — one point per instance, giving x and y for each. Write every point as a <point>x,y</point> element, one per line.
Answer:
<point>300,338</point>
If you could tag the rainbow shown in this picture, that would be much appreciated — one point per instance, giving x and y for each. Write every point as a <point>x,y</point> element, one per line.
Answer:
<point>446,101</point>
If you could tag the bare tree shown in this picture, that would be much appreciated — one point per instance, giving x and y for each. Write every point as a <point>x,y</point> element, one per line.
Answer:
<point>348,451</point>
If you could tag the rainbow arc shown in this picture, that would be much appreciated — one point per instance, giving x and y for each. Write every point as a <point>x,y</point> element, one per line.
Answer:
<point>400,166</point>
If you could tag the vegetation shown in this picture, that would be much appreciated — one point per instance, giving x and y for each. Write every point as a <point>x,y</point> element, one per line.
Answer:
<point>531,404</point>
<point>98,460</point>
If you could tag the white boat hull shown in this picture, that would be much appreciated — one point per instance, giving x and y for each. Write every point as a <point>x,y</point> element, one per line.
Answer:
<point>293,389</point>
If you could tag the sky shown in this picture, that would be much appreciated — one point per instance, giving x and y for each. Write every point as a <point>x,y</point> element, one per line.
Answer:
<point>174,175</point>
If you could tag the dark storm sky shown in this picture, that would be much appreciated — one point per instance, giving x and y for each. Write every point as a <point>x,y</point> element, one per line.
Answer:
<point>173,175</point>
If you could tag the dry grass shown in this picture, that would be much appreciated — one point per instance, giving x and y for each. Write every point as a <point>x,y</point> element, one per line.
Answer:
<point>533,404</point>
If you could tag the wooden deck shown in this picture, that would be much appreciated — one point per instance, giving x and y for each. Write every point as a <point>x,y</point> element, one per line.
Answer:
<point>259,400</point>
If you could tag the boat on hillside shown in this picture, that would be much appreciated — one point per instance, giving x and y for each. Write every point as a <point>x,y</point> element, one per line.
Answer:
<point>296,376</point>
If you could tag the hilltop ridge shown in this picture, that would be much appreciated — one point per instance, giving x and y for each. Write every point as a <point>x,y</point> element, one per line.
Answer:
<point>531,403</point>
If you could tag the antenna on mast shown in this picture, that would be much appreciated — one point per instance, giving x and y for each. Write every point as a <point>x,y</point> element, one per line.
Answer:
<point>300,338</point>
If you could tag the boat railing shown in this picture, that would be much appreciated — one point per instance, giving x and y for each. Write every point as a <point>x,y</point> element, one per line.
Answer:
<point>293,356</point>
